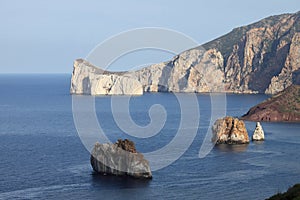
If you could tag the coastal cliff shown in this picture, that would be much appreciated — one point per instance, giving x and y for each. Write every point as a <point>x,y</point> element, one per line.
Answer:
<point>90,80</point>
<point>192,71</point>
<point>263,57</point>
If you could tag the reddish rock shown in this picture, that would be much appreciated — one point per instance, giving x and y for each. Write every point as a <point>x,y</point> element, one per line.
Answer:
<point>285,106</point>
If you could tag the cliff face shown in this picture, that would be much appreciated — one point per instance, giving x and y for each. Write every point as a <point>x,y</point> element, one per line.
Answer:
<point>262,57</point>
<point>192,71</point>
<point>285,106</point>
<point>87,79</point>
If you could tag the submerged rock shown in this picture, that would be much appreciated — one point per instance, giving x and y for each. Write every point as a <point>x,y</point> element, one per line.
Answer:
<point>230,130</point>
<point>258,134</point>
<point>120,159</point>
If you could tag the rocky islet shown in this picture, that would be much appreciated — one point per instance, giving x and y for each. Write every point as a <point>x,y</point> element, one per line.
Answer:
<point>229,130</point>
<point>120,159</point>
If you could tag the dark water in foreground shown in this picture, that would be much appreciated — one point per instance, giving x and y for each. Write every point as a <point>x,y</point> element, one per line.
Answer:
<point>42,157</point>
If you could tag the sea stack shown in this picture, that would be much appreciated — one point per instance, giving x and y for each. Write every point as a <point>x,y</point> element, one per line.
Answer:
<point>258,134</point>
<point>230,130</point>
<point>120,159</point>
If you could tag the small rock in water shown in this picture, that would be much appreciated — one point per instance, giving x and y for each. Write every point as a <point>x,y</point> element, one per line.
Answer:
<point>258,134</point>
<point>120,159</point>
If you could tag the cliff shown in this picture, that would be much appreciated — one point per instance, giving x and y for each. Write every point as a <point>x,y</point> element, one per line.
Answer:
<point>285,106</point>
<point>263,57</point>
<point>88,79</point>
<point>192,71</point>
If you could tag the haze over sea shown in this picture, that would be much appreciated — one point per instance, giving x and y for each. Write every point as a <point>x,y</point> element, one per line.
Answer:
<point>42,157</point>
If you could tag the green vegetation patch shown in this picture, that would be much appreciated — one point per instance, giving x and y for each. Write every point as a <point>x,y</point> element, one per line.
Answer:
<point>293,193</point>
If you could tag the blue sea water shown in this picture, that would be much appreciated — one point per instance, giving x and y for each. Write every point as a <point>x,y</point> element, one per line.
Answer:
<point>42,156</point>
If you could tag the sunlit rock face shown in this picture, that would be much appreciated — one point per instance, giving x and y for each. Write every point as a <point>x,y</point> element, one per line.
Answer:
<point>263,57</point>
<point>259,133</point>
<point>87,79</point>
<point>229,130</point>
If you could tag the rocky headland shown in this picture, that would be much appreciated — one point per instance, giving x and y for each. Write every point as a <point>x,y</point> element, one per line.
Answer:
<point>285,106</point>
<point>259,58</point>
<point>120,159</point>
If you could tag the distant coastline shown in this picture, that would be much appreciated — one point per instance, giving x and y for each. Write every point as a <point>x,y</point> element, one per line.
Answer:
<point>259,58</point>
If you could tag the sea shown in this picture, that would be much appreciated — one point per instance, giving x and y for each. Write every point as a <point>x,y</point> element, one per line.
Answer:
<point>42,155</point>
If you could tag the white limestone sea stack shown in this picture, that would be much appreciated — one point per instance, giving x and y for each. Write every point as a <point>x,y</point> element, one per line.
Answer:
<point>258,134</point>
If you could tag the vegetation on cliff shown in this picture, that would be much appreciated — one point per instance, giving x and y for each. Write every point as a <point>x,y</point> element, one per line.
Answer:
<point>293,193</point>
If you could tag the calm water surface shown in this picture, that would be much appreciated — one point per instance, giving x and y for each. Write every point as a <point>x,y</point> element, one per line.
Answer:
<point>42,157</point>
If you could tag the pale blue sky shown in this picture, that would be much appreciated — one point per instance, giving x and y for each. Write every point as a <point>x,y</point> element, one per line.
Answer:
<point>46,36</point>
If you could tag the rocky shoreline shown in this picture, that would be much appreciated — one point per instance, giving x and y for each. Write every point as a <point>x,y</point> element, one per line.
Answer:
<point>283,107</point>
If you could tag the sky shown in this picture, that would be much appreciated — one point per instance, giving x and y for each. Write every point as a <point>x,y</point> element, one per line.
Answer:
<point>47,36</point>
